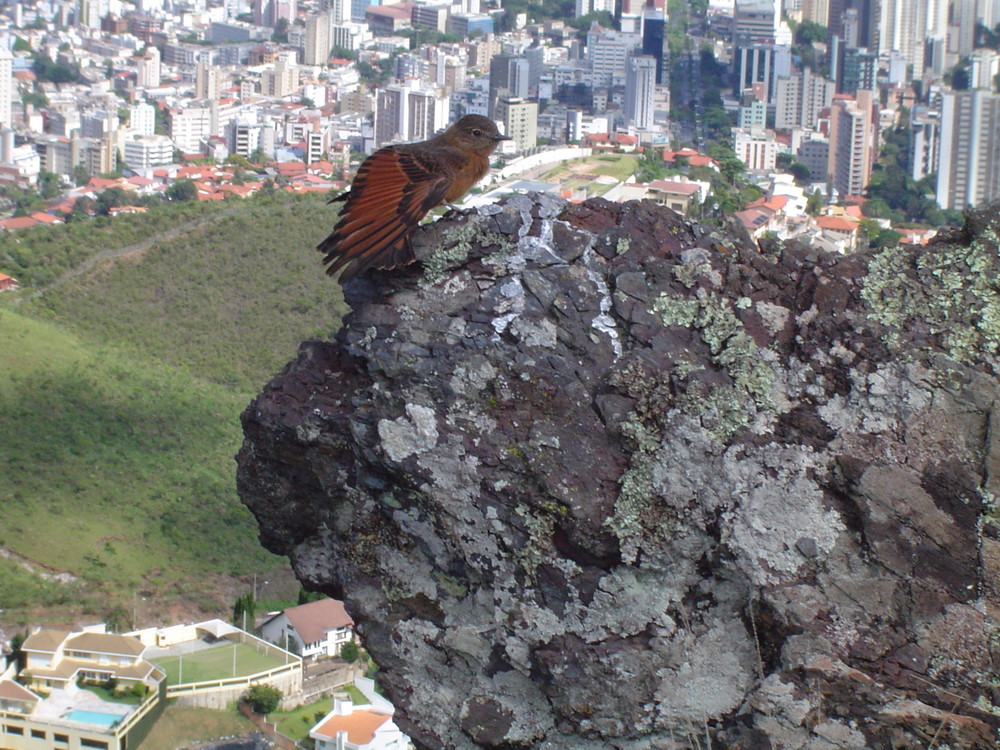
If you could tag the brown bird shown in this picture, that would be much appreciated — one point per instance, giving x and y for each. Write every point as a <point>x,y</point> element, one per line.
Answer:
<point>395,188</point>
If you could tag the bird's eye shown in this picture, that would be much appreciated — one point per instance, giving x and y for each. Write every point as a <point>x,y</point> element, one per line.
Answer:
<point>477,132</point>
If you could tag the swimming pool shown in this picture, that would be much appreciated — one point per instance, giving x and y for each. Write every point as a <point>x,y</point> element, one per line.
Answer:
<point>93,717</point>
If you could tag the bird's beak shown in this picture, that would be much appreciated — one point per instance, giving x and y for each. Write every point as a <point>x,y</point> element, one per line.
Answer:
<point>502,138</point>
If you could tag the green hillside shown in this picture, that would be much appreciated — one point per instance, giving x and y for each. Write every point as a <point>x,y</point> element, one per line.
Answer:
<point>229,300</point>
<point>120,393</point>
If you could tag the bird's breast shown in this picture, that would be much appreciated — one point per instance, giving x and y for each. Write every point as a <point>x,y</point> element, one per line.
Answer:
<point>473,168</point>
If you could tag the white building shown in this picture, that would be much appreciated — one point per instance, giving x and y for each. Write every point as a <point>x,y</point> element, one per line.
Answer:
<point>757,148</point>
<point>640,92</point>
<point>520,121</point>
<point>608,51</point>
<point>188,126</point>
<point>143,151</point>
<point>148,69</point>
<point>318,44</point>
<point>6,85</point>
<point>318,628</point>
<point>142,118</point>
<point>409,111</point>
<point>350,727</point>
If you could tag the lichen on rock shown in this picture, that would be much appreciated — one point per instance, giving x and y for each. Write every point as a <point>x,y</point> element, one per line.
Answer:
<point>593,476</point>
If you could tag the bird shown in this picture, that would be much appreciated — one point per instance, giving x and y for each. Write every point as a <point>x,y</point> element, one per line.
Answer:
<point>394,189</point>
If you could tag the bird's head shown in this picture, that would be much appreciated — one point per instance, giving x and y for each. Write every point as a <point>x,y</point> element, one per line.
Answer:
<point>475,133</point>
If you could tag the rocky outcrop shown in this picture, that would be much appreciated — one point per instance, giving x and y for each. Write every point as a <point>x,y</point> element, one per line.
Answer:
<point>593,476</point>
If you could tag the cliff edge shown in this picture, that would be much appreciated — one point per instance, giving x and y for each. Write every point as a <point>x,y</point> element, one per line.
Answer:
<point>594,476</point>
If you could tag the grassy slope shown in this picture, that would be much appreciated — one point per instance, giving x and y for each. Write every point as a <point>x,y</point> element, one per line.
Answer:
<point>180,726</point>
<point>229,301</point>
<point>119,405</point>
<point>116,470</point>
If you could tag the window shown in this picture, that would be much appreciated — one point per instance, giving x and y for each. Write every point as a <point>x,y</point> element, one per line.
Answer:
<point>84,742</point>
<point>37,734</point>
<point>11,729</point>
<point>63,738</point>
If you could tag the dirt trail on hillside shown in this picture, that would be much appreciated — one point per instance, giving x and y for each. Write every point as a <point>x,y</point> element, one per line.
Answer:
<point>119,252</point>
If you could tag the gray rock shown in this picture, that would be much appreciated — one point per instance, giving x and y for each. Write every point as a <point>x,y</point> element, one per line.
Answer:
<point>600,478</point>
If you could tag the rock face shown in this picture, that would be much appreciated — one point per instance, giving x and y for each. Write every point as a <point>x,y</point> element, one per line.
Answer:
<point>597,477</point>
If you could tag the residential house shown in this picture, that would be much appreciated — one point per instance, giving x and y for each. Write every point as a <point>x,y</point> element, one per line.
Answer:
<point>611,142</point>
<point>316,629</point>
<point>8,283</point>
<point>350,727</point>
<point>679,196</point>
<point>58,658</point>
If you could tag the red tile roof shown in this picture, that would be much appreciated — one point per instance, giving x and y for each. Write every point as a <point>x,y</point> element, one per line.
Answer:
<point>313,619</point>
<point>360,725</point>
<point>837,223</point>
<point>18,222</point>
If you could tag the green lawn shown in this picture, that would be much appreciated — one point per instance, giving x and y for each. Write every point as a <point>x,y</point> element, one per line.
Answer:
<point>216,663</point>
<point>297,723</point>
<point>180,726</point>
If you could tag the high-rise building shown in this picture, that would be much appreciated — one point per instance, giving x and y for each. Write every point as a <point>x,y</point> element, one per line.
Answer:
<point>520,121</point>
<point>207,81</point>
<point>339,10</point>
<point>317,46</point>
<point>640,89</point>
<point>608,51</point>
<point>800,98</point>
<point>969,155</point>
<point>757,148</point>
<point>142,118</point>
<point>586,7</point>
<point>189,126</point>
<point>755,21</point>
<point>409,111</point>
<point>142,151</point>
<point>509,76</point>
<point>817,11</point>
<point>148,69</point>
<point>902,26</point>
<point>853,140</point>
<point>280,81</point>
<point>985,65</point>
<point>6,85</point>
<point>654,42</point>
<point>925,140</point>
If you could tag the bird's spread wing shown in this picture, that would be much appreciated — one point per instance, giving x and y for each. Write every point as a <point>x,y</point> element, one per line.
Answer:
<point>391,193</point>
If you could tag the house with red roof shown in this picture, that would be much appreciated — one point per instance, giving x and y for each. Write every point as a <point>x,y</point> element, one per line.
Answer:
<point>840,233</point>
<point>350,727</point>
<point>17,222</point>
<point>690,157</point>
<point>611,142</point>
<point>8,283</point>
<point>316,629</point>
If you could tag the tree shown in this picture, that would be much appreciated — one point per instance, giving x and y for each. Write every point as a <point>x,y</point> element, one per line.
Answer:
<point>182,190</point>
<point>280,31</point>
<point>110,198</point>
<point>117,620</point>
<point>814,203</point>
<point>244,608</point>
<point>49,185</point>
<point>264,699</point>
<point>350,652</point>
<point>809,32</point>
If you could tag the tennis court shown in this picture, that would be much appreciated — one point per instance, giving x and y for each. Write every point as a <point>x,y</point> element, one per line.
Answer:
<point>216,663</point>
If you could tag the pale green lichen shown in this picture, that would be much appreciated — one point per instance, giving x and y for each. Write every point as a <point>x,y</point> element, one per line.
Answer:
<point>689,273</point>
<point>540,523</point>
<point>450,585</point>
<point>621,247</point>
<point>953,290</point>
<point>456,250</point>
<point>732,349</point>
<point>636,490</point>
